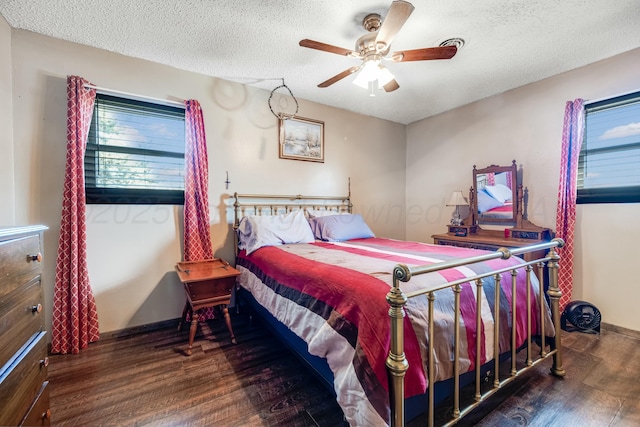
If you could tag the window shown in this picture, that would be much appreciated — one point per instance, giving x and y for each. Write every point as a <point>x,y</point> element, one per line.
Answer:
<point>609,164</point>
<point>135,153</point>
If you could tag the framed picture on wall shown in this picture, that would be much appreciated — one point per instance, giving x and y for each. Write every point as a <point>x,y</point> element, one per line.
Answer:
<point>301,139</point>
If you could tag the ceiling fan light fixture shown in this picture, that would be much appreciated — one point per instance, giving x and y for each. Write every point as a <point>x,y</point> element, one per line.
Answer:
<point>371,71</point>
<point>375,46</point>
<point>384,76</point>
<point>361,81</point>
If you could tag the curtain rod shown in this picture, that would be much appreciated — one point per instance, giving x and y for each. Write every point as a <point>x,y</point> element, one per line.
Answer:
<point>135,96</point>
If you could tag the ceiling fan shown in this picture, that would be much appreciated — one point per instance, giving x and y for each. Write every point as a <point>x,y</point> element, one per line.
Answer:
<point>374,46</point>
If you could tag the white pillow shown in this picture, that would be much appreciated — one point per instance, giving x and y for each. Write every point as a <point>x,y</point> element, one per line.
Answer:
<point>500,192</point>
<point>257,231</point>
<point>486,202</point>
<point>314,213</point>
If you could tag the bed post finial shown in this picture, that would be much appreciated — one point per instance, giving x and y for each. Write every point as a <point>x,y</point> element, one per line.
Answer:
<point>236,221</point>
<point>396,361</point>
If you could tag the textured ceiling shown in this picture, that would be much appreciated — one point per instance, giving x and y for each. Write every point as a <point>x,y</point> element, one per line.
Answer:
<point>509,43</point>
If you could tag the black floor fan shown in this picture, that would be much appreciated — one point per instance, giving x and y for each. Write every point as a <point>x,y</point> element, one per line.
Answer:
<point>581,316</point>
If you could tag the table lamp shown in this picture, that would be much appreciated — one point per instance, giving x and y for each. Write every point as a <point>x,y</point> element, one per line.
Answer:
<point>457,200</point>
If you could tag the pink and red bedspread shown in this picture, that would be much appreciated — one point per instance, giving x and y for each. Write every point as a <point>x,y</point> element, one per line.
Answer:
<point>332,295</point>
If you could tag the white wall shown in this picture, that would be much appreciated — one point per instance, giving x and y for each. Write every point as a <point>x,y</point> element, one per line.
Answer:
<point>132,249</point>
<point>6,127</point>
<point>525,124</point>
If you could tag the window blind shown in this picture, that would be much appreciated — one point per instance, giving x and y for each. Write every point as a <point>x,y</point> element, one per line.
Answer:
<point>135,152</point>
<point>609,162</point>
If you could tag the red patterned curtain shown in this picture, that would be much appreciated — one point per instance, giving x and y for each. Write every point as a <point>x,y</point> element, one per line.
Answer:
<point>197,236</point>
<point>75,319</point>
<point>491,179</point>
<point>572,135</point>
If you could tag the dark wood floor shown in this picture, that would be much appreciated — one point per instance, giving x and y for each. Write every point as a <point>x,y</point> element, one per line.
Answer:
<point>145,379</point>
<point>601,387</point>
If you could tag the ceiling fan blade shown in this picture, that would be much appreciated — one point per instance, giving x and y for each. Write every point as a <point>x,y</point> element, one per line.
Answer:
<point>339,77</point>
<point>391,86</point>
<point>427,53</point>
<point>398,14</point>
<point>312,44</point>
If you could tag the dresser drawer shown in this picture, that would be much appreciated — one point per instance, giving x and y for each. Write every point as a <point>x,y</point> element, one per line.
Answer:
<point>470,245</point>
<point>205,289</point>
<point>17,263</point>
<point>39,414</point>
<point>21,382</point>
<point>21,318</point>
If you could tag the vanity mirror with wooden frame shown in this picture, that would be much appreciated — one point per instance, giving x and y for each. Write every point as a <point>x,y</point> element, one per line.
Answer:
<point>496,200</point>
<point>495,195</point>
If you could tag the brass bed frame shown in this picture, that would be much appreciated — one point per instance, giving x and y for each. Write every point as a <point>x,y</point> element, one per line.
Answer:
<point>397,365</point>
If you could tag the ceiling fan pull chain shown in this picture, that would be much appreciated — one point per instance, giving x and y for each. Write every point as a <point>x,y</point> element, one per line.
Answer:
<point>283,116</point>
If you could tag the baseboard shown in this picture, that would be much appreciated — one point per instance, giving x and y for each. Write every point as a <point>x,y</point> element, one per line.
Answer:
<point>134,330</point>
<point>164,324</point>
<point>620,330</point>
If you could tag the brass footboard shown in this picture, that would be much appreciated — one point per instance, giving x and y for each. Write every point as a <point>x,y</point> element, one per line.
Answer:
<point>397,363</point>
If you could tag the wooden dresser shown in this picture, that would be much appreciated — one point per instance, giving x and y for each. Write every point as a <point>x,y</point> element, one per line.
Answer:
<point>24,394</point>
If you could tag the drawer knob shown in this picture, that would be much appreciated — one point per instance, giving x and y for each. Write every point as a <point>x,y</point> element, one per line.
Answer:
<point>44,362</point>
<point>36,308</point>
<point>46,415</point>
<point>35,257</point>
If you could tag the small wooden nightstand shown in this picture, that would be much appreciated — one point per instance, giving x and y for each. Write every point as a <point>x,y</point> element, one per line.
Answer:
<point>206,283</point>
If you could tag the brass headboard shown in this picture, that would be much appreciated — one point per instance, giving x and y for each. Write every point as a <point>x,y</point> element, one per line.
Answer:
<point>272,204</point>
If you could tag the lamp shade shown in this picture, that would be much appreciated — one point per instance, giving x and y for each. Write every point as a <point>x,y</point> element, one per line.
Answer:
<point>384,76</point>
<point>457,199</point>
<point>371,71</point>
